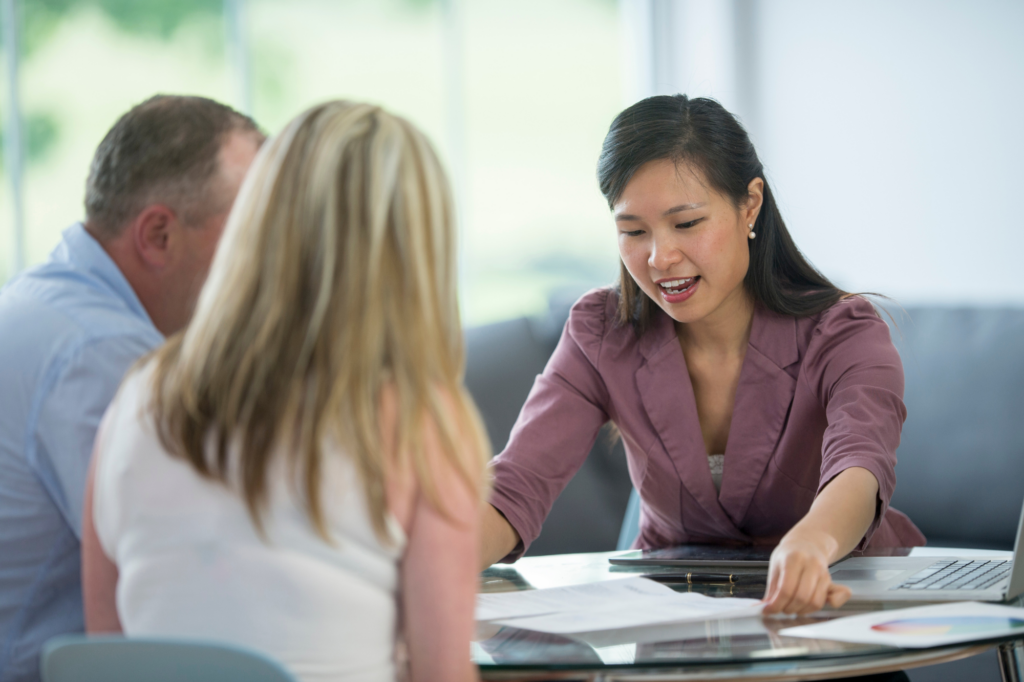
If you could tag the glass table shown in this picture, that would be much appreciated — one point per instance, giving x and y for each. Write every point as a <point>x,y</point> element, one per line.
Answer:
<point>747,648</point>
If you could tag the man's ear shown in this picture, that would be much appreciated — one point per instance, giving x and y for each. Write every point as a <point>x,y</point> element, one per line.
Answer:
<point>152,235</point>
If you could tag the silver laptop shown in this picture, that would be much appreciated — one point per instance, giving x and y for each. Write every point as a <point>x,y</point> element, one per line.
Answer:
<point>934,579</point>
<point>871,578</point>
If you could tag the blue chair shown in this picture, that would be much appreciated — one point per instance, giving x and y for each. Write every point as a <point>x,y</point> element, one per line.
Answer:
<point>630,522</point>
<point>77,658</point>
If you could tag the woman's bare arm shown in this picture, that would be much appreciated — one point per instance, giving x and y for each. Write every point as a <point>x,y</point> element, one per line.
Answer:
<point>439,574</point>
<point>99,573</point>
<point>798,578</point>
<point>498,537</point>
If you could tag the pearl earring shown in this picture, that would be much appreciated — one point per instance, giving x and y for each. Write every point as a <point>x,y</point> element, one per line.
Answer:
<point>752,234</point>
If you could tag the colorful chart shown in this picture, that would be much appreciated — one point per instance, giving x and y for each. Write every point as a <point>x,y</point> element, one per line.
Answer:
<point>950,625</point>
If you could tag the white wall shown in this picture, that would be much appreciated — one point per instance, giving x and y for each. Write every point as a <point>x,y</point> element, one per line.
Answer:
<point>892,132</point>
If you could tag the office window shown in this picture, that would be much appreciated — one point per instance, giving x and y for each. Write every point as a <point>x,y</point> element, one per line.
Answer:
<point>384,51</point>
<point>543,82</point>
<point>82,65</point>
<point>516,97</point>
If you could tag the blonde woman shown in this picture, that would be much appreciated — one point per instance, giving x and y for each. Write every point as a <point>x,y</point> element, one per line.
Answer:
<point>303,464</point>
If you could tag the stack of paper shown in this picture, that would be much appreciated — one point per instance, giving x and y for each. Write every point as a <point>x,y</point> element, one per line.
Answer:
<point>921,626</point>
<point>624,603</point>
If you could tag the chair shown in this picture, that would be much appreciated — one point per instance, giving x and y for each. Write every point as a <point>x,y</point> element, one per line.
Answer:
<point>961,457</point>
<point>77,658</point>
<point>630,523</point>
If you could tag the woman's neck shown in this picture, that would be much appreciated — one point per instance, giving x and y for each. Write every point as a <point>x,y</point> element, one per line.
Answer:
<point>724,331</point>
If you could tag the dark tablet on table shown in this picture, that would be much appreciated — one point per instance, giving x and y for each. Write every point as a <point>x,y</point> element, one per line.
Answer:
<point>703,556</point>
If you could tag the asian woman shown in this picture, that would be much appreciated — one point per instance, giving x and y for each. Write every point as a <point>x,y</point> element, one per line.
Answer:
<point>758,403</point>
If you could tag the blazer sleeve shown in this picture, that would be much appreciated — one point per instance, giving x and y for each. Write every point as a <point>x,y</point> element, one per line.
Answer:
<point>859,381</point>
<point>557,426</point>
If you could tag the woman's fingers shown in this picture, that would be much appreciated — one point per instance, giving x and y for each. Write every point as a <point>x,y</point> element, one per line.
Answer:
<point>786,587</point>
<point>838,595</point>
<point>801,585</point>
<point>789,599</point>
<point>818,596</point>
<point>780,592</point>
<point>806,591</point>
<point>773,583</point>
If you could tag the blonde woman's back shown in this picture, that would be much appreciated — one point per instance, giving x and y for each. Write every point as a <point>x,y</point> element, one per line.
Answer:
<point>193,565</point>
<point>317,396</point>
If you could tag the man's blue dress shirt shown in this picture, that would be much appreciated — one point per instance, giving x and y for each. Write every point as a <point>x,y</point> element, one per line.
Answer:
<point>69,330</point>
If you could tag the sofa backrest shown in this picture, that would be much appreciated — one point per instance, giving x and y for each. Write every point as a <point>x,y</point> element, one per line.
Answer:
<point>961,459</point>
<point>960,475</point>
<point>502,360</point>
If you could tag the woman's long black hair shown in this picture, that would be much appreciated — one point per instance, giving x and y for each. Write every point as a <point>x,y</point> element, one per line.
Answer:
<point>700,133</point>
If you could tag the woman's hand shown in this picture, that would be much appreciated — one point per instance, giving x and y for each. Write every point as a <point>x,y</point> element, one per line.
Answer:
<point>798,578</point>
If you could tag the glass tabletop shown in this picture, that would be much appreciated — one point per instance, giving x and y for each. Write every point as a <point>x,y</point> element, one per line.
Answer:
<point>715,642</point>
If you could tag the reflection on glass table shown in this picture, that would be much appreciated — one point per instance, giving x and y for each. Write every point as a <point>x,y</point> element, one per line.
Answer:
<point>743,648</point>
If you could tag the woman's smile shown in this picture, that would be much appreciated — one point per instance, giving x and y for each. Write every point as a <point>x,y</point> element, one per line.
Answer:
<point>677,290</point>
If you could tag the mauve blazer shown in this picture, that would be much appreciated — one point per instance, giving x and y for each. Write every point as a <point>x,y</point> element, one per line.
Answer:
<point>816,395</point>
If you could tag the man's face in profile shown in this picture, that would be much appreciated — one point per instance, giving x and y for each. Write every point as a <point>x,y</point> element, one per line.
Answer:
<point>200,241</point>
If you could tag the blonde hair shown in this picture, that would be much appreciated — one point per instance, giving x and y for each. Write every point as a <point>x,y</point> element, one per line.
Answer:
<point>335,280</point>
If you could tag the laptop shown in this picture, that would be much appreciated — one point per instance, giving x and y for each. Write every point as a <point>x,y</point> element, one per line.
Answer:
<point>983,578</point>
<point>934,579</point>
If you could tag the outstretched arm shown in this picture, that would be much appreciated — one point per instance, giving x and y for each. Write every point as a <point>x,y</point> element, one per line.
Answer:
<point>852,364</point>
<point>798,577</point>
<point>498,537</point>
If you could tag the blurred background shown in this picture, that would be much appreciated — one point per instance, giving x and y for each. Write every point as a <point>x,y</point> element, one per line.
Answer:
<point>891,131</point>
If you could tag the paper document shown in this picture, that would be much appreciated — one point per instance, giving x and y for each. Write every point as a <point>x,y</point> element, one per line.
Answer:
<point>921,626</point>
<point>629,602</point>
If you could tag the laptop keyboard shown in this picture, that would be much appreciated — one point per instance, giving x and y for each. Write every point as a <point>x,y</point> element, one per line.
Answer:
<point>963,574</point>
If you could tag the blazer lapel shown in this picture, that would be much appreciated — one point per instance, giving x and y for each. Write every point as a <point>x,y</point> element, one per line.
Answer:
<point>763,398</point>
<point>667,394</point>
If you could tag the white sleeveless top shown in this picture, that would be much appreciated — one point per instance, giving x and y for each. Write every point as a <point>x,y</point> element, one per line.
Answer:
<point>191,563</point>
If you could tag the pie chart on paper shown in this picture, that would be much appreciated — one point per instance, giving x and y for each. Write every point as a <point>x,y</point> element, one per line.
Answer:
<point>978,626</point>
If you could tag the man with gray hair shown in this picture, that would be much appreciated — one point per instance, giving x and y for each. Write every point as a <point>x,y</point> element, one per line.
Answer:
<point>159,190</point>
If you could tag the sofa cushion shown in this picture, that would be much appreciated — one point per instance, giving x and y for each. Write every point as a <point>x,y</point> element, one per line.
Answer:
<point>502,360</point>
<point>960,474</point>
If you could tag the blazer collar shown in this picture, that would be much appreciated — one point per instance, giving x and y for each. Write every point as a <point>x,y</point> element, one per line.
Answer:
<point>771,334</point>
<point>774,337</point>
<point>763,398</point>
